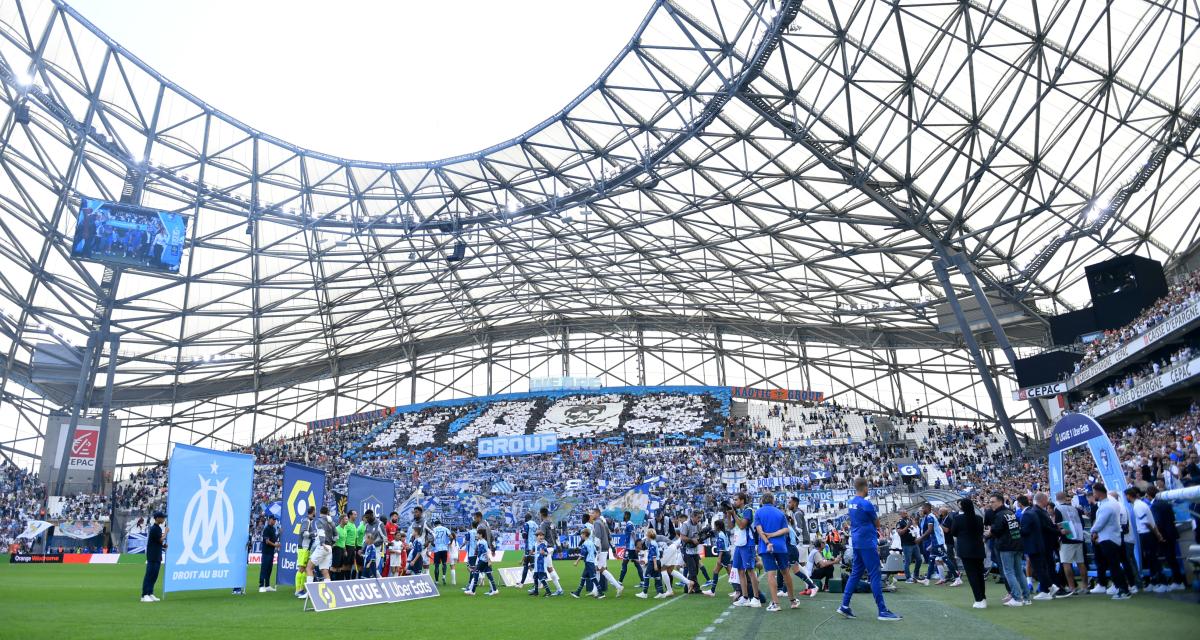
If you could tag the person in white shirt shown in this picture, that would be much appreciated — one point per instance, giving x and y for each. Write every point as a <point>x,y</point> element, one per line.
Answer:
<point>1148,535</point>
<point>1106,539</point>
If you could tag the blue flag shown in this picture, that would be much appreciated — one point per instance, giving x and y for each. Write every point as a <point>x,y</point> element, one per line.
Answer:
<point>302,487</point>
<point>371,494</point>
<point>136,542</point>
<point>208,512</point>
<point>405,509</point>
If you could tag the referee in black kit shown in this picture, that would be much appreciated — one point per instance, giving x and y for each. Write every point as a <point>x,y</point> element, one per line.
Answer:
<point>270,543</point>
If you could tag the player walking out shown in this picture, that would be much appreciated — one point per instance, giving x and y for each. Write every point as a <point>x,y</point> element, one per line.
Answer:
<point>307,533</point>
<point>441,549</point>
<point>587,553</point>
<point>653,566</point>
<point>529,544</point>
<point>416,556</point>
<point>721,548</point>
<point>628,540</point>
<point>483,565</point>
<point>541,553</point>
<point>864,536</point>
<point>547,531</point>
<point>603,552</point>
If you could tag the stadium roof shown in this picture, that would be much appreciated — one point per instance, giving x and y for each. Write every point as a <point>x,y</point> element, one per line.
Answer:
<point>792,165</point>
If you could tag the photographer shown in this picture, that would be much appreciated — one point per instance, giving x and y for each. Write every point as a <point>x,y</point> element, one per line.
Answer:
<point>821,562</point>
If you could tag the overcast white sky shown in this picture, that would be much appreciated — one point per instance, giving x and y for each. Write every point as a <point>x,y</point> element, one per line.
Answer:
<point>381,81</point>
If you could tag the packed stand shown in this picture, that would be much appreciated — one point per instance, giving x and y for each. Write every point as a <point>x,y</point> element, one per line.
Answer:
<point>1180,296</point>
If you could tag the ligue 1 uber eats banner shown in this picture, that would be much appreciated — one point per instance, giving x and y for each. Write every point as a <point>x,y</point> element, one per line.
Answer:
<point>371,494</point>
<point>208,518</point>
<point>302,487</point>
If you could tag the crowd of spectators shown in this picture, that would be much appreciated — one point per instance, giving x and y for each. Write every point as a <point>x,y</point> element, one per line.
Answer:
<point>1136,375</point>
<point>1181,295</point>
<point>1165,451</point>
<point>593,471</point>
<point>22,498</point>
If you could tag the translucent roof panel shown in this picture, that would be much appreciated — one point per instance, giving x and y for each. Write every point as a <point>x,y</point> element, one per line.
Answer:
<point>744,163</point>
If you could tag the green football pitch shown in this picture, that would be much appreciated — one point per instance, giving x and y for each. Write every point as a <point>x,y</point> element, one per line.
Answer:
<point>101,601</point>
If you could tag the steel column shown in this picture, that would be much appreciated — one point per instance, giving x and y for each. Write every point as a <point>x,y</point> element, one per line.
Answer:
<point>939,268</point>
<point>964,267</point>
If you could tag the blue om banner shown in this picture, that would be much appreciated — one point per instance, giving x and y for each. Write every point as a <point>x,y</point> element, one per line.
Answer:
<point>208,518</point>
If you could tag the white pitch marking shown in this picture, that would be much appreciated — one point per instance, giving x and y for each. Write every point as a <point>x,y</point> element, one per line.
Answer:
<point>630,619</point>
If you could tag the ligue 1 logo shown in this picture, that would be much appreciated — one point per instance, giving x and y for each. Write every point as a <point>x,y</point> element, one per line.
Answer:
<point>207,522</point>
<point>298,502</point>
<point>326,595</point>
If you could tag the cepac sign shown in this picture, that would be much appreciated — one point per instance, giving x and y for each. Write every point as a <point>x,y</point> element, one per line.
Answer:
<point>1040,391</point>
<point>84,448</point>
<point>517,445</point>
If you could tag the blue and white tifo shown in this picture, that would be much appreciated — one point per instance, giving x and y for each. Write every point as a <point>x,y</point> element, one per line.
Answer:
<point>208,518</point>
<point>518,445</point>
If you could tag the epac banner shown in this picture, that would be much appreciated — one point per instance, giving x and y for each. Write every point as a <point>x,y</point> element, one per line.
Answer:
<point>910,470</point>
<point>517,445</point>
<point>371,494</point>
<point>84,447</point>
<point>344,594</point>
<point>208,516</point>
<point>302,487</point>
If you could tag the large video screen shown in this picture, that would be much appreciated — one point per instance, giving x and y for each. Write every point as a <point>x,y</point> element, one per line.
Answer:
<point>126,235</point>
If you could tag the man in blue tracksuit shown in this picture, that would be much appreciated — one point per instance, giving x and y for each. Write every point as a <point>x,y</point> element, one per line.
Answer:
<point>864,537</point>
